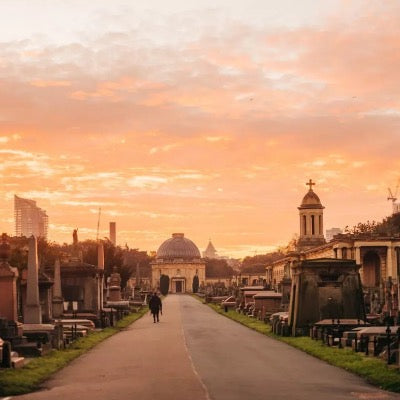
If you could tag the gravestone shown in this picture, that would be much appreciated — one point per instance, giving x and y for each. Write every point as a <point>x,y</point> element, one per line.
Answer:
<point>324,289</point>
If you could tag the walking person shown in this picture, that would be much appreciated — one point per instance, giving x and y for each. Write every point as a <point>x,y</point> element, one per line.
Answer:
<point>155,306</point>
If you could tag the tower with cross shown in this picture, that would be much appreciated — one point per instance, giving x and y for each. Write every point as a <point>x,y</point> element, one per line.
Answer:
<point>311,220</point>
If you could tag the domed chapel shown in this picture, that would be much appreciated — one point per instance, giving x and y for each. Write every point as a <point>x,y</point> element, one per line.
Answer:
<point>178,258</point>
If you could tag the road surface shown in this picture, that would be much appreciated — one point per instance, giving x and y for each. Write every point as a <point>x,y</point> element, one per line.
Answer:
<point>197,354</point>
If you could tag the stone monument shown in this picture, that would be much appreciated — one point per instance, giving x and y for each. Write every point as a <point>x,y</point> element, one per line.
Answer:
<point>115,286</point>
<point>325,288</point>
<point>8,279</point>
<point>58,301</point>
<point>32,311</point>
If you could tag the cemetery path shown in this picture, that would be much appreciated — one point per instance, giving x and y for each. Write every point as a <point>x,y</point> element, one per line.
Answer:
<point>236,363</point>
<point>197,354</point>
<point>146,361</point>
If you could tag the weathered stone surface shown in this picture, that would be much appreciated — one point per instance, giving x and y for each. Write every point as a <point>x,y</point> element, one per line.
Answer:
<point>324,289</point>
<point>32,311</point>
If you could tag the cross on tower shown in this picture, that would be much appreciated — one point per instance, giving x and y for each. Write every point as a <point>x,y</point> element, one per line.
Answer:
<point>310,183</point>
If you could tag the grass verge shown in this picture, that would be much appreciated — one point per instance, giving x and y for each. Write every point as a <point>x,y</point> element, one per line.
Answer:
<point>32,375</point>
<point>373,370</point>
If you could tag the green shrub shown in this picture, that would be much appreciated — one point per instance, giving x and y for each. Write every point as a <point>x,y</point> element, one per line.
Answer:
<point>164,284</point>
<point>195,284</point>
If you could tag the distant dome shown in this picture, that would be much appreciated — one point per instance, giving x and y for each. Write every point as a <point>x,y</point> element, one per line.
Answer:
<point>311,200</point>
<point>178,247</point>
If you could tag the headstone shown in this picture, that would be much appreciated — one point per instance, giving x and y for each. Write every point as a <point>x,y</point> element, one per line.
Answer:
<point>8,279</point>
<point>58,301</point>
<point>32,311</point>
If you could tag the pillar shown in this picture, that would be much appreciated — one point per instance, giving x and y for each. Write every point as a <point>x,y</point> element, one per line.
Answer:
<point>391,262</point>
<point>100,255</point>
<point>58,304</point>
<point>32,311</point>
<point>100,282</point>
<point>358,255</point>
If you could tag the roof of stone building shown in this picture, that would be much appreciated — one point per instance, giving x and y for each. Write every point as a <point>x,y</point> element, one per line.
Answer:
<point>311,200</point>
<point>178,247</point>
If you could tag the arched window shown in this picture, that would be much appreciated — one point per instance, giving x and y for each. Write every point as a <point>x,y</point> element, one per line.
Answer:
<point>304,225</point>
<point>313,224</point>
<point>320,224</point>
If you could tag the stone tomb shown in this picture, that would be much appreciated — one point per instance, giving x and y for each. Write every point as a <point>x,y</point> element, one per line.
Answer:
<point>266,303</point>
<point>8,286</point>
<point>246,294</point>
<point>324,288</point>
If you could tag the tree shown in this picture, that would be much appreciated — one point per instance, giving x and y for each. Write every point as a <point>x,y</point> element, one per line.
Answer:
<point>164,284</point>
<point>258,263</point>
<point>216,268</point>
<point>195,284</point>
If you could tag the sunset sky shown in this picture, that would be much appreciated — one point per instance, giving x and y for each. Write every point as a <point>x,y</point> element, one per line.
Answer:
<point>204,117</point>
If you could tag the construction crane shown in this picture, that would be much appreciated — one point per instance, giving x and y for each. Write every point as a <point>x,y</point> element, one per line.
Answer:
<point>98,225</point>
<point>393,197</point>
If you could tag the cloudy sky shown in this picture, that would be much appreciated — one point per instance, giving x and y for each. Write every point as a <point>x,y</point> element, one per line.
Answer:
<point>205,117</point>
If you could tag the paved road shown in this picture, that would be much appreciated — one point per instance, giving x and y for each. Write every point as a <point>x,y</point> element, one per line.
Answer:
<point>194,353</point>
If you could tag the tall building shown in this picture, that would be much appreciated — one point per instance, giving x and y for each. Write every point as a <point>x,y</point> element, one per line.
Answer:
<point>113,233</point>
<point>29,218</point>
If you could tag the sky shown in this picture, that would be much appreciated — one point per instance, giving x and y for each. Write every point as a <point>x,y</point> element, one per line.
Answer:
<point>203,117</point>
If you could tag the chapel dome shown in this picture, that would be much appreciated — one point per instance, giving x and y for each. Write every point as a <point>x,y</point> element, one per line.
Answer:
<point>311,200</point>
<point>178,247</point>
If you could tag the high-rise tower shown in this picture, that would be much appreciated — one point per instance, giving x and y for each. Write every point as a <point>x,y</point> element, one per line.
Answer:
<point>29,218</point>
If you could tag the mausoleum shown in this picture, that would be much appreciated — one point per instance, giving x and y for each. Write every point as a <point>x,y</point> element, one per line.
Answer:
<point>178,258</point>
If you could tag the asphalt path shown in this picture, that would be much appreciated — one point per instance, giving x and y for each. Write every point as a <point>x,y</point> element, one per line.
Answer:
<point>195,353</point>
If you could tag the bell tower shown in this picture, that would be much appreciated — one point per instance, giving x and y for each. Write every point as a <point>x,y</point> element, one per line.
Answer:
<point>311,220</point>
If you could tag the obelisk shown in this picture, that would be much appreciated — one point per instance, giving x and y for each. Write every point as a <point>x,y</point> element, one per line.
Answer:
<point>100,255</point>
<point>58,304</point>
<point>32,311</point>
<point>100,285</point>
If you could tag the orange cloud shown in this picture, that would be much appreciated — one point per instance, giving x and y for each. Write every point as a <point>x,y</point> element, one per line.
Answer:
<point>214,136</point>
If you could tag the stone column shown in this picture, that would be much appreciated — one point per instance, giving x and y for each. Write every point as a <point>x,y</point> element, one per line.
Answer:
<point>358,255</point>
<point>390,263</point>
<point>339,253</point>
<point>58,303</point>
<point>100,276</point>
<point>32,311</point>
<point>100,255</point>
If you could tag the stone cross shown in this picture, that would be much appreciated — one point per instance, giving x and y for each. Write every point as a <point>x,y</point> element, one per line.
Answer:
<point>32,313</point>
<point>310,183</point>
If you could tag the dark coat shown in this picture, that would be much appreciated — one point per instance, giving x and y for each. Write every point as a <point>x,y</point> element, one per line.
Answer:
<point>155,304</point>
